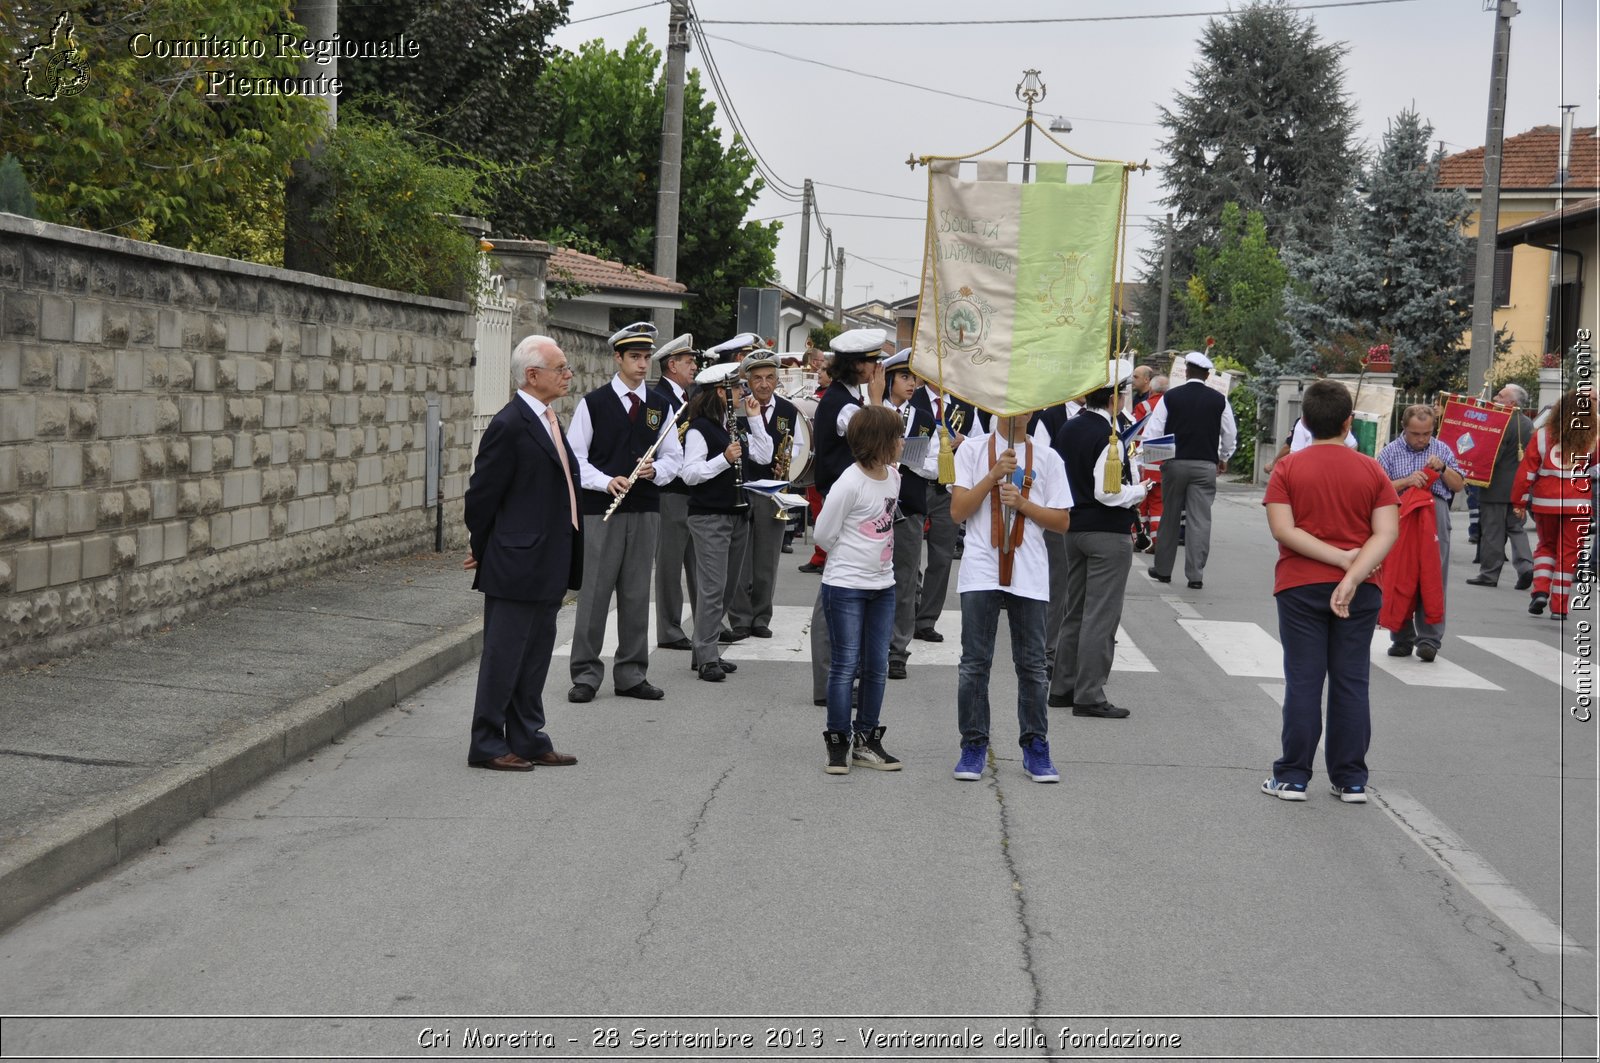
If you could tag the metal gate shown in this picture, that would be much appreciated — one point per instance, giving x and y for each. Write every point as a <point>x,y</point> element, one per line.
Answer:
<point>491,350</point>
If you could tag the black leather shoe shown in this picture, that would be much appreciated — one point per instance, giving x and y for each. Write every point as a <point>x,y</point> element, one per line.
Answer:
<point>1426,653</point>
<point>1537,602</point>
<point>761,632</point>
<point>1524,581</point>
<point>644,692</point>
<point>1485,581</point>
<point>809,567</point>
<point>677,644</point>
<point>1196,584</point>
<point>1159,578</point>
<point>728,666</point>
<point>580,693</point>
<point>1103,711</point>
<point>1399,649</point>
<point>738,634</point>
<point>1060,701</point>
<point>897,669</point>
<point>927,634</point>
<point>712,672</point>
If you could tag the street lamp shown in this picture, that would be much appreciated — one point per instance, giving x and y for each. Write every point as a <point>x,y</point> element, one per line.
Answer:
<point>1060,124</point>
<point>1030,91</point>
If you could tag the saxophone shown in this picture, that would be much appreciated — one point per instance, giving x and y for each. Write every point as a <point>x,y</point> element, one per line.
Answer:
<point>780,468</point>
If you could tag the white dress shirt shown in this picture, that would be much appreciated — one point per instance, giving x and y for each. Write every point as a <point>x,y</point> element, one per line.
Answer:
<point>700,466</point>
<point>1156,424</point>
<point>580,433</point>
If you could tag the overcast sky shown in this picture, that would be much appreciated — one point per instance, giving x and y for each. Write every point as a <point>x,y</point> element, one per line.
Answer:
<point>1107,77</point>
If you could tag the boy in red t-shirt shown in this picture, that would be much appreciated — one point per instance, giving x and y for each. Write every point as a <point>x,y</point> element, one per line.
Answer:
<point>1335,515</point>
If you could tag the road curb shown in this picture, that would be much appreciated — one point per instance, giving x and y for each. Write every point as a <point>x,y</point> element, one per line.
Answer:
<point>73,848</point>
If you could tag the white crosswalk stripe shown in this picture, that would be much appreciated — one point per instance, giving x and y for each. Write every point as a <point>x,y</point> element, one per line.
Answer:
<point>1238,647</point>
<point>1540,658</point>
<point>1413,671</point>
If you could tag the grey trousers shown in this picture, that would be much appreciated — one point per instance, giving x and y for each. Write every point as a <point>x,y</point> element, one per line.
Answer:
<point>821,650</point>
<point>907,575</point>
<point>617,558</point>
<point>674,566</point>
<point>1097,565</point>
<point>1496,524</point>
<point>1416,631</point>
<point>941,554</point>
<point>1055,548</point>
<point>750,605</point>
<point>1187,487</point>
<point>720,541</point>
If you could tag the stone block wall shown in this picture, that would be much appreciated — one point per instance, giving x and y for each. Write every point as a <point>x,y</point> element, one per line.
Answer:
<point>178,430</point>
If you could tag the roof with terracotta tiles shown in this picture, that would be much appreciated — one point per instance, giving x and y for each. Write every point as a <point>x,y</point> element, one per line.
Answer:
<point>1556,221</point>
<point>575,267</point>
<point>1528,162</point>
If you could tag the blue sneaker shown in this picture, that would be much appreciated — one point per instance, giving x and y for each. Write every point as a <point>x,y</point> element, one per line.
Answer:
<point>973,758</point>
<point>1285,791</point>
<point>1036,761</point>
<point>1350,795</point>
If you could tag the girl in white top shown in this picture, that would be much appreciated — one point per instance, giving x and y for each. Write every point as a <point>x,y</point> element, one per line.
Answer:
<point>856,528</point>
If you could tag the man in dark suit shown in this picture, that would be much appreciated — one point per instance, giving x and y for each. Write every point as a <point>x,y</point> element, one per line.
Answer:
<point>526,551</point>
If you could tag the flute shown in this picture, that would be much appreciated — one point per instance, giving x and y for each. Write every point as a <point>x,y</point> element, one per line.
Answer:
<point>637,469</point>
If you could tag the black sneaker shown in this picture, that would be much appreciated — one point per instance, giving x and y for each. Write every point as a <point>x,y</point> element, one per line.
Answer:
<point>897,669</point>
<point>927,634</point>
<point>1399,649</point>
<point>1537,603</point>
<point>838,746</point>
<point>1427,653</point>
<point>1524,581</point>
<point>868,752</point>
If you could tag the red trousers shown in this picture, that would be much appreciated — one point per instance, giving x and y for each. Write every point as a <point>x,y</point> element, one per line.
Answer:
<point>1556,556</point>
<point>819,556</point>
<point>1150,508</point>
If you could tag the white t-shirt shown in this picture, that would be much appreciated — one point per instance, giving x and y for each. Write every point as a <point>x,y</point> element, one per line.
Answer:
<point>980,560</point>
<point>1302,438</point>
<point>856,527</point>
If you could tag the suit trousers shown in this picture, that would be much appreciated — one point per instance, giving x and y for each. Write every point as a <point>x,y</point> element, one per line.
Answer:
<point>908,537</point>
<point>1097,565</point>
<point>508,712</point>
<point>617,557</point>
<point>674,567</point>
<point>720,542</point>
<point>750,604</point>
<point>941,554</point>
<point>1055,548</point>
<point>1496,525</point>
<point>1189,488</point>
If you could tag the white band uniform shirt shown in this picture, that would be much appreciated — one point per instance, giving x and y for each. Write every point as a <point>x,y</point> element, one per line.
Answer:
<point>980,562</point>
<point>580,433</point>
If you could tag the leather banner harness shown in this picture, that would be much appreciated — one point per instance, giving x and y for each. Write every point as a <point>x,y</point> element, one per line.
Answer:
<point>1006,528</point>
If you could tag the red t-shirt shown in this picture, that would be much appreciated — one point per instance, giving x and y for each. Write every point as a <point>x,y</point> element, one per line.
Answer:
<point>1332,491</point>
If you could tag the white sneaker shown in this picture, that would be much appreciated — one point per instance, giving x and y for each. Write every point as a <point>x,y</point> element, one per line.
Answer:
<point>1284,791</point>
<point>1350,795</point>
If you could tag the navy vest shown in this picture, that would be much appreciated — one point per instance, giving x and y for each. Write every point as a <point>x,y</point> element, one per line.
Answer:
<point>663,390</point>
<point>832,453</point>
<point>1194,419</point>
<point>718,494</point>
<point>781,423</point>
<point>1079,443</point>
<point>913,488</point>
<point>616,446</point>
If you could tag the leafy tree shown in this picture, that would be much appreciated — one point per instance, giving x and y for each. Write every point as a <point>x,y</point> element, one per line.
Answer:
<point>15,195</point>
<point>474,83</point>
<point>1266,124</point>
<point>1393,273</point>
<point>607,128</point>
<point>135,146</point>
<point>1235,293</point>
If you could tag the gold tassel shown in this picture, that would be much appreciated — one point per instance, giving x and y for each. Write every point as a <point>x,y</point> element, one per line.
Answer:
<point>947,458</point>
<point>1111,483</point>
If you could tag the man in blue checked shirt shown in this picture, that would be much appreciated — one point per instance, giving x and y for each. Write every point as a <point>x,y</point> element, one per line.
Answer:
<point>1405,460</point>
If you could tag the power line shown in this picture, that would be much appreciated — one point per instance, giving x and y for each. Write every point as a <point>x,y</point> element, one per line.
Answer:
<point>586,18</point>
<point>1034,21</point>
<point>880,265</point>
<point>907,84</point>
<point>870,192</point>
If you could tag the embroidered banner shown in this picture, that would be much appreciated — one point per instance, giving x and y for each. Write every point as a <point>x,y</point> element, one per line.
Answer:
<point>1016,307</point>
<point>1474,429</point>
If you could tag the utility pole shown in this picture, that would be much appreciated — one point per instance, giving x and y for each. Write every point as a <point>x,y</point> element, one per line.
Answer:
<point>1482,356</point>
<point>805,237</point>
<point>838,288</point>
<point>1166,288</point>
<point>303,244</point>
<point>827,260</point>
<point>671,156</point>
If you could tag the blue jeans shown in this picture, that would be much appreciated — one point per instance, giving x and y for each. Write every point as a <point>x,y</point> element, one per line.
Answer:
<point>980,618</point>
<point>1318,646</point>
<point>859,625</point>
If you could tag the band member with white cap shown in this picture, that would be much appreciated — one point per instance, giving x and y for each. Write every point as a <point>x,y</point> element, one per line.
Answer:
<point>674,552</point>
<point>612,430</point>
<point>917,481</point>
<point>738,348</point>
<point>857,381</point>
<point>750,612</point>
<point>719,522</point>
<point>1098,553</point>
<point>1204,432</point>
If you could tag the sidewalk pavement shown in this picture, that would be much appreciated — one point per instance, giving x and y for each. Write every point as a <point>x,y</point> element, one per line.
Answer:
<point>110,750</point>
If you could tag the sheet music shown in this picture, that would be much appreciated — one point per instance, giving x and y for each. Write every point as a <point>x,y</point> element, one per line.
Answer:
<point>915,453</point>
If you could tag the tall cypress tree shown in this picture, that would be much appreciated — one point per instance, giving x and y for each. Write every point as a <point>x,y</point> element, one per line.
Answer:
<point>1267,124</point>
<point>1394,273</point>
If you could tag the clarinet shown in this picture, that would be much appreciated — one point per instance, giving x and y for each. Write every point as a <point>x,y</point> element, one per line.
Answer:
<point>730,424</point>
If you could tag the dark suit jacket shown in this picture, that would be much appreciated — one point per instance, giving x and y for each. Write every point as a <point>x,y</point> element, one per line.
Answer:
<point>1507,458</point>
<point>517,512</point>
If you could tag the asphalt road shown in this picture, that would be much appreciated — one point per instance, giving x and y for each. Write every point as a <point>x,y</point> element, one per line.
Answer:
<point>697,878</point>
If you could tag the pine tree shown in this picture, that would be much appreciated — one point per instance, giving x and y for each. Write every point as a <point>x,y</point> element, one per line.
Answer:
<point>1394,273</point>
<point>1266,124</point>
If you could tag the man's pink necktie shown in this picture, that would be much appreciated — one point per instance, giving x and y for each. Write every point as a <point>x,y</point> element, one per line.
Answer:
<point>561,452</point>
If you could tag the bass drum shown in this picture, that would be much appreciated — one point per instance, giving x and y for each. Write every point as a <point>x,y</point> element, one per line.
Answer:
<point>801,475</point>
